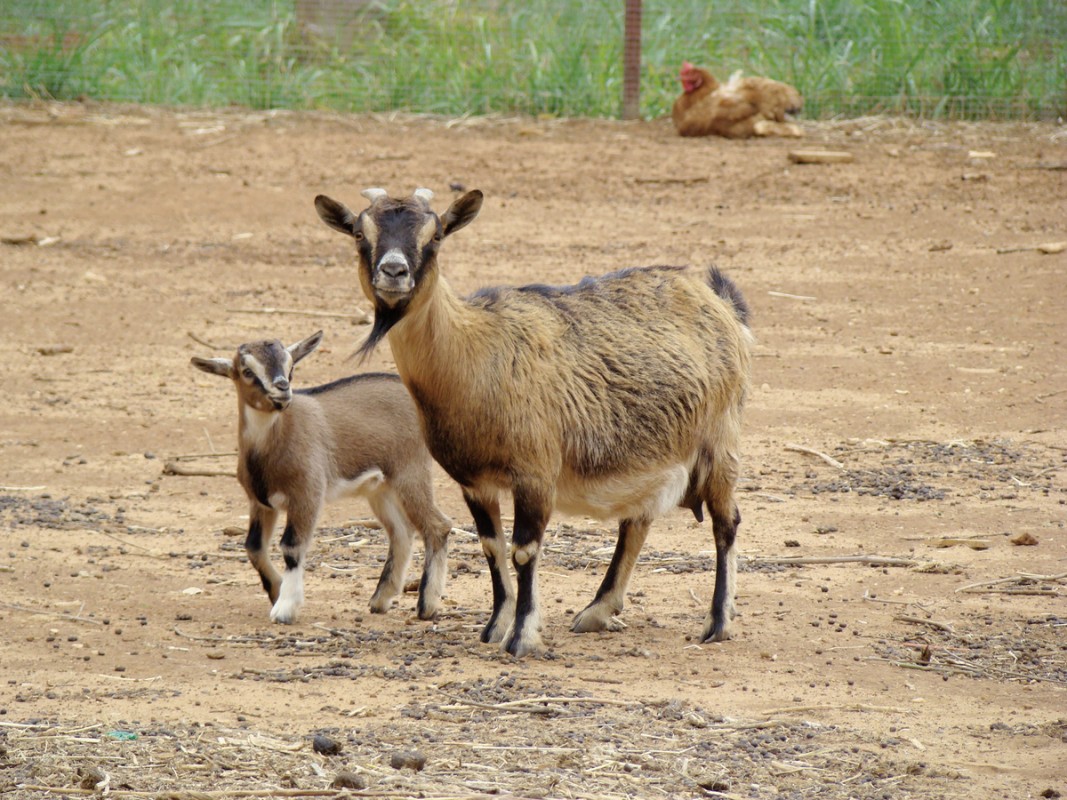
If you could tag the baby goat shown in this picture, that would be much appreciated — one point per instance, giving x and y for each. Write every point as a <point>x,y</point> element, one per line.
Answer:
<point>298,450</point>
<point>618,397</point>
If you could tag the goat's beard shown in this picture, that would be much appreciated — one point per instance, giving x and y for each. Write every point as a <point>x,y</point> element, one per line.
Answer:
<point>385,317</point>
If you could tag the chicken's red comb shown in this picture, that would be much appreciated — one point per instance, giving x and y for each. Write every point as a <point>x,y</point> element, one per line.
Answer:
<point>686,66</point>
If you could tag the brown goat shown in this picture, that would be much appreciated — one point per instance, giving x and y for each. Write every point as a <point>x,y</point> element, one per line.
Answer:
<point>358,436</point>
<point>619,397</point>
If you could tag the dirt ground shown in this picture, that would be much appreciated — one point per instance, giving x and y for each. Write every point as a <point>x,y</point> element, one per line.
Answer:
<point>905,439</point>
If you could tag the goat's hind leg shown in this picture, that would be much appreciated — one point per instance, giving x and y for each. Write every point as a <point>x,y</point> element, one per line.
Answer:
<point>261,523</point>
<point>722,611</point>
<point>602,613</point>
<point>401,536</point>
<point>486,513</point>
<point>435,528</point>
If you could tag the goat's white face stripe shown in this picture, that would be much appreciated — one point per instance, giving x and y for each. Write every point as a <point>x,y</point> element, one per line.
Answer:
<point>369,228</point>
<point>257,367</point>
<point>426,232</point>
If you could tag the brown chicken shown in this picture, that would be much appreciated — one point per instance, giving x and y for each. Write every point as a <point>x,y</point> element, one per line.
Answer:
<point>738,109</point>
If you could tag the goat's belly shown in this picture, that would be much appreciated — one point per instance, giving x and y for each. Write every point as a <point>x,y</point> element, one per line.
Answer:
<point>629,496</point>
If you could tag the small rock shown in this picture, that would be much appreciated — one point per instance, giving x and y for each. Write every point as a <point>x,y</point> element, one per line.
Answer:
<point>349,780</point>
<point>91,777</point>
<point>325,745</point>
<point>1025,540</point>
<point>411,759</point>
<point>1050,794</point>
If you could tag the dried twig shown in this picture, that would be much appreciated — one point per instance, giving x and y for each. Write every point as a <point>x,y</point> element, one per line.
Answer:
<point>833,462</point>
<point>792,296</point>
<point>987,586</point>
<point>174,468</point>
<point>59,614</point>
<point>359,318</point>
<point>206,343</point>
<point>874,561</point>
<point>941,626</point>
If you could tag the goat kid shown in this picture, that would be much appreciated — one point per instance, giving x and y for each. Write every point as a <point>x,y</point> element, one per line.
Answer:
<point>619,397</point>
<point>358,436</point>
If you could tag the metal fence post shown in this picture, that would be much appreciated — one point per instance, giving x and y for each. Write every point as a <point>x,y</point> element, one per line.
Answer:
<point>631,62</point>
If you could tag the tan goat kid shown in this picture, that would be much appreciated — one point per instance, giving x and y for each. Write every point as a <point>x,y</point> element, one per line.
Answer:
<point>619,397</point>
<point>358,436</point>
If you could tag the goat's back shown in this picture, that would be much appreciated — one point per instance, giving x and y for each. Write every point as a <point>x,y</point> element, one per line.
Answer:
<point>370,420</point>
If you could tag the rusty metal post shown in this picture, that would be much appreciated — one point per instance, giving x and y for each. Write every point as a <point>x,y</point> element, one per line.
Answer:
<point>631,62</point>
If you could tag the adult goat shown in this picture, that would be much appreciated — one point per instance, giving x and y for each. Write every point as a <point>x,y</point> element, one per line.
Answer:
<point>618,397</point>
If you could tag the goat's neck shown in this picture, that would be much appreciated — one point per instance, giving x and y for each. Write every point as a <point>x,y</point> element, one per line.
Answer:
<point>434,341</point>
<point>258,430</point>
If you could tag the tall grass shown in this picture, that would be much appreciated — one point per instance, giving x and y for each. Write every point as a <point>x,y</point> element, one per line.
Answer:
<point>935,58</point>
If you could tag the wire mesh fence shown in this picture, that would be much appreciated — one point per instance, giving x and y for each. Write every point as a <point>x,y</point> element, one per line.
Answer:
<point>1001,59</point>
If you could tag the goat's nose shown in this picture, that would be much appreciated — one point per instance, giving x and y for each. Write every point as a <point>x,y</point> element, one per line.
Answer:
<point>281,384</point>
<point>394,264</point>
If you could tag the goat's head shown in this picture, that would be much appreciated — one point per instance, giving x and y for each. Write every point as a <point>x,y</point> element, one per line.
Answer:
<point>397,242</point>
<point>262,370</point>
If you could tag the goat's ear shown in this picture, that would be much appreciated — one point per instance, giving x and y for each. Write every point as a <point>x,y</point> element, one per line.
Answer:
<point>462,212</point>
<point>304,348</point>
<point>335,214</point>
<point>216,366</point>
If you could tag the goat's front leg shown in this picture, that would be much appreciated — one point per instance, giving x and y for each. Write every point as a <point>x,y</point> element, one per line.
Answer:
<point>601,613</point>
<point>299,527</point>
<point>531,516</point>
<point>435,530</point>
<point>486,512</point>
<point>261,522</point>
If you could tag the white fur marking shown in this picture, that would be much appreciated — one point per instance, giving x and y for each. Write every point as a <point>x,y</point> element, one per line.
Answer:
<point>522,555</point>
<point>258,427</point>
<point>290,597</point>
<point>363,485</point>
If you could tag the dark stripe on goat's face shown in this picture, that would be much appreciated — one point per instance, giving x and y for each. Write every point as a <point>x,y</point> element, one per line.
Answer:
<point>399,245</point>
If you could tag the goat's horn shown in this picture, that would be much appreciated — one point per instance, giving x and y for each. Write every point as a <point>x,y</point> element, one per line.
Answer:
<point>375,194</point>
<point>425,195</point>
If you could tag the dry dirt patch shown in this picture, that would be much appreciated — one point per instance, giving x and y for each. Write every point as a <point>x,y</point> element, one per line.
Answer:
<point>906,426</point>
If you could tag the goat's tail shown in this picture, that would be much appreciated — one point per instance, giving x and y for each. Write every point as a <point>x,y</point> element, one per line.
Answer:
<point>727,290</point>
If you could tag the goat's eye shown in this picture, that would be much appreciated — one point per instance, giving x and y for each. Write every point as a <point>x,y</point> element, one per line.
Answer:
<point>248,373</point>
<point>437,237</point>
<point>358,236</point>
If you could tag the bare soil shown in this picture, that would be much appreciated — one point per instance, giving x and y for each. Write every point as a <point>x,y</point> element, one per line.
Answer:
<point>911,338</point>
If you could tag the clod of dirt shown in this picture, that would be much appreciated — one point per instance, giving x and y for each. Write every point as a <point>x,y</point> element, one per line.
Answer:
<point>411,759</point>
<point>1025,540</point>
<point>325,745</point>
<point>349,780</point>
<point>1051,794</point>
<point>90,777</point>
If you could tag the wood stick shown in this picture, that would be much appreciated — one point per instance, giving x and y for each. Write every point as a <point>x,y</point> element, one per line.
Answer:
<point>876,561</point>
<point>173,468</point>
<point>941,626</point>
<point>360,317</point>
<point>22,488</point>
<point>833,462</point>
<point>207,344</point>
<point>792,296</point>
<point>60,614</point>
<point>972,587</point>
<point>820,157</point>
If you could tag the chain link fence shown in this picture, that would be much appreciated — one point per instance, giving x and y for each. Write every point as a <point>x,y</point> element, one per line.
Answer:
<point>975,59</point>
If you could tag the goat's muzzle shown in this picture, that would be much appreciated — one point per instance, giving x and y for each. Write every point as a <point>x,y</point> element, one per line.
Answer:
<point>393,280</point>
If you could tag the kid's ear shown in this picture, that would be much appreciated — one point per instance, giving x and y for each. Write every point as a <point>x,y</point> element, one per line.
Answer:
<point>304,347</point>
<point>215,366</point>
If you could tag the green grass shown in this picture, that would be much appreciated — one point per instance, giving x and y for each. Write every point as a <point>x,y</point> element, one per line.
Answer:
<point>933,58</point>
